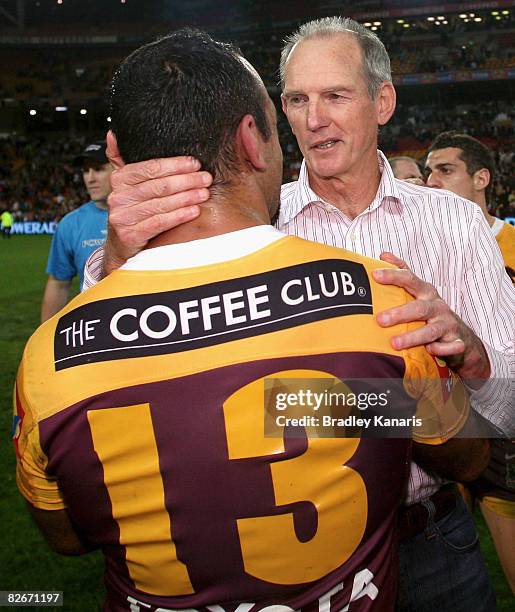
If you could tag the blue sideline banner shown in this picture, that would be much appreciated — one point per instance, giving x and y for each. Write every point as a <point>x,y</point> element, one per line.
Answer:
<point>34,227</point>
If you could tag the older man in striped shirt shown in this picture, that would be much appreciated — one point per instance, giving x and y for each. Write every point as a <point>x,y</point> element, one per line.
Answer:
<point>336,90</point>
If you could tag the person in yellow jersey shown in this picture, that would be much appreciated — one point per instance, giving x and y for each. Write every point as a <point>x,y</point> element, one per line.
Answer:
<point>462,164</point>
<point>6,224</point>
<point>179,414</point>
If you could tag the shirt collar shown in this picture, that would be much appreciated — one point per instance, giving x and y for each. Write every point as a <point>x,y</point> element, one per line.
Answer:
<point>301,194</point>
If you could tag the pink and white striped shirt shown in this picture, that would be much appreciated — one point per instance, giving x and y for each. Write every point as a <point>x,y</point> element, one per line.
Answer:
<point>446,241</point>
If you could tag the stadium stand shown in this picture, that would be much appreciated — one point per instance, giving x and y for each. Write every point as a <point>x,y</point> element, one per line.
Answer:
<point>452,71</point>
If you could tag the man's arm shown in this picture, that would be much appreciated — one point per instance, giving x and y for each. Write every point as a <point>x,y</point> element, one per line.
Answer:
<point>445,335</point>
<point>459,459</point>
<point>56,296</point>
<point>58,530</point>
<point>484,357</point>
<point>462,458</point>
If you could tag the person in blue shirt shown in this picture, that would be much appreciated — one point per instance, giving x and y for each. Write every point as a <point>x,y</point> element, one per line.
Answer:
<point>80,232</point>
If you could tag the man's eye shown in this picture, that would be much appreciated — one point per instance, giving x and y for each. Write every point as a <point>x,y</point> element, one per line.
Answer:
<point>295,99</point>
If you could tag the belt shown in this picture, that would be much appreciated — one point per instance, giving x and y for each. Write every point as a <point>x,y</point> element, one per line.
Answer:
<point>413,519</point>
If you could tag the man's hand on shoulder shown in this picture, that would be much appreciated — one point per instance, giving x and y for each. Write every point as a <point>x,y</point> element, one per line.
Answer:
<point>445,335</point>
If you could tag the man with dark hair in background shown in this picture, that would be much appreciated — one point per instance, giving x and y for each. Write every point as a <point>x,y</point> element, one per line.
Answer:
<point>462,164</point>
<point>140,410</point>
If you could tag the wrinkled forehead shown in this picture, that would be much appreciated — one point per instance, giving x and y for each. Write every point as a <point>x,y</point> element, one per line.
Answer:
<point>322,54</point>
<point>323,43</point>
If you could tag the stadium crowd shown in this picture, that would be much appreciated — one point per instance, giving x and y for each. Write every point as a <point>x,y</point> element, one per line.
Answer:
<point>421,48</point>
<point>38,181</point>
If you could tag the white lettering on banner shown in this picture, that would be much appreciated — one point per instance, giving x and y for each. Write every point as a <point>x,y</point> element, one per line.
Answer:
<point>362,586</point>
<point>113,326</point>
<point>151,333</point>
<point>93,242</point>
<point>185,315</point>
<point>230,306</point>
<point>184,319</point>
<point>254,301</point>
<point>313,288</point>
<point>48,227</point>
<point>309,291</point>
<point>208,310</point>
<point>286,298</point>
<point>79,331</point>
<point>33,227</point>
<point>190,310</point>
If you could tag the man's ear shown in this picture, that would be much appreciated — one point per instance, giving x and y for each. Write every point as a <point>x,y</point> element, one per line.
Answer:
<point>113,152</point>
<point>250,143</point>
<point>284,106</point>
<point>481,179</point>
<point>283,103</point>
<point>385,100</point>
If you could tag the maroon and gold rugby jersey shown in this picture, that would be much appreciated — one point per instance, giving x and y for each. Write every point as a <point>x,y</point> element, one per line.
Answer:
<point>140,408</point>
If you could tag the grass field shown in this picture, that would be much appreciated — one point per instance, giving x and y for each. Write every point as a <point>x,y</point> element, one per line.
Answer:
<point>25,561</point>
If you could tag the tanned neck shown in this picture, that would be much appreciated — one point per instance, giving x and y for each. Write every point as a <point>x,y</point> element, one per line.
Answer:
<point>225,212</point>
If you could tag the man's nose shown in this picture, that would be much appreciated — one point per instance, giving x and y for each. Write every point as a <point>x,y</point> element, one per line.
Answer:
<point>317,117</point>
<point>432,181</point>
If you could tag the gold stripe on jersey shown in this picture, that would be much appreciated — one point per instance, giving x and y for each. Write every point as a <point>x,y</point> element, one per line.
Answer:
<point>142,461</point>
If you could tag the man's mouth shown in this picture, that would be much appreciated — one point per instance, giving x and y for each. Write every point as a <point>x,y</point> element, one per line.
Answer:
<point>326,144</point>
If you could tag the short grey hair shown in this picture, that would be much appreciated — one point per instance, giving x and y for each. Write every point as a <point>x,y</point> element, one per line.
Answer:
<point>398,158</point>
<point>376,62</point>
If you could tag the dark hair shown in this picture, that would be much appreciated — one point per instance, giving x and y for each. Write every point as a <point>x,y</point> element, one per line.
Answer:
<point>474,153</point>
<point>185,94</point>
